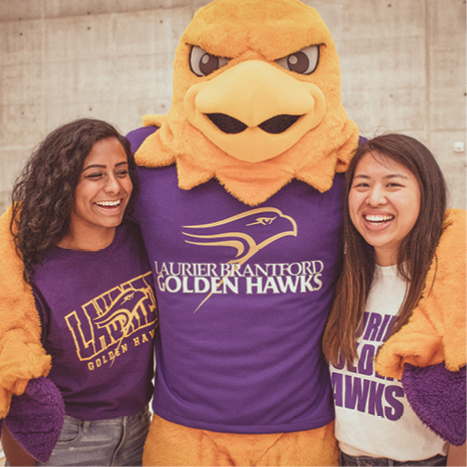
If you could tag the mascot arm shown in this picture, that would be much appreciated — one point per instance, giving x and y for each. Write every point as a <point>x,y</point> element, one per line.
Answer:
<point>22,356</point>
<point>429,353</point>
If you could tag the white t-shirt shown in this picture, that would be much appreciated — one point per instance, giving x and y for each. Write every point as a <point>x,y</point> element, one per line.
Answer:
<point>373,416</point>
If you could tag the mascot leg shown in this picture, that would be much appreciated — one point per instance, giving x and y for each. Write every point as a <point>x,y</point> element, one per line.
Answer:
<point>170,444</point>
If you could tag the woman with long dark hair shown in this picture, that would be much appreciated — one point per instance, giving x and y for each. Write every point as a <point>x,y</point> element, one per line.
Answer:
<point>394,213</point>
<point>92,286</point>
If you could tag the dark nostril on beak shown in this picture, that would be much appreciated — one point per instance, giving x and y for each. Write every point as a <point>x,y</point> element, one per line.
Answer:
<point>232,126</point>
<point>227,124</point>
<point>279,124</point>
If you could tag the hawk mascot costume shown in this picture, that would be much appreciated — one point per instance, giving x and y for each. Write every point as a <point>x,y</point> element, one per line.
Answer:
<point>240,208</point>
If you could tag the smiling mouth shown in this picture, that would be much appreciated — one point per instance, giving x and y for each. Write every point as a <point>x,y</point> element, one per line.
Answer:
<point>378,219</point>
<point>109,204</point>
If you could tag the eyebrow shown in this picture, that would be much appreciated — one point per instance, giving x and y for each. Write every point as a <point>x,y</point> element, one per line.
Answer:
<point>395,175</point>
<point>102,166</point>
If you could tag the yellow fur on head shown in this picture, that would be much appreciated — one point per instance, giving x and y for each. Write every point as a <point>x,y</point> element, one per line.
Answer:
<point>259,32</point>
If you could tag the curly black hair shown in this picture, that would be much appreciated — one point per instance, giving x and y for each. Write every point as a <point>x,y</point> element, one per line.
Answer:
<point>44,194</point>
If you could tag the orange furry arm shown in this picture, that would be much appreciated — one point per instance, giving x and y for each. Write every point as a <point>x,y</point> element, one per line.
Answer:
<point>22,356</point>
<point>436,331</point>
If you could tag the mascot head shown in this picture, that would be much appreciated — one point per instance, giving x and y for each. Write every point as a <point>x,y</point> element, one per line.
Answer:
<point>256,101</point>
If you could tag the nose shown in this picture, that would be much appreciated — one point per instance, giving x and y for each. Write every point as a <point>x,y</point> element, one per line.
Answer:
<point>112,184</point>
<point>376,196</point>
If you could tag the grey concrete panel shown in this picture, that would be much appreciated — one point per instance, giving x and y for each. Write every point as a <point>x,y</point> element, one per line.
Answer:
<point>22,125</point>
<point>17,10</point>
<point>452,164</point>
<point>447,95</point>
<point>78,38</point>
<point>21,83</point>
<point>197,4</point>
<point>61,9</point>
<point>399,111</point>
<point>367,19</point>
<point>447,71</point>
<point>152,73</point>
<point>131,110</point>
<point>21,42</point>
<point>103,109</point>
<point>387,84</point>
<point>447,23</point>
<point>121,6</point>
<point>150,32</point>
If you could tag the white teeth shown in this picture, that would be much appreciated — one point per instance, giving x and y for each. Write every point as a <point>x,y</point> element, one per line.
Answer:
<point>109,203</point>
<point>375,218</point>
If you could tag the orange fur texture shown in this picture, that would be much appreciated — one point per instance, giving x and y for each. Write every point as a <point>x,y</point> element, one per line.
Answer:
<point>172,444</point>
<point>436,331</point>
<point>22,356</point>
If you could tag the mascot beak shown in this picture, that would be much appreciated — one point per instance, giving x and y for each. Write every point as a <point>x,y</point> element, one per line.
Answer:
<point>254,111</point>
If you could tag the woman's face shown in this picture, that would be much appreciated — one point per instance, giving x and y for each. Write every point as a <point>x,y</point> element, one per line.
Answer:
<point>103,191</point>
<point>384,204</point>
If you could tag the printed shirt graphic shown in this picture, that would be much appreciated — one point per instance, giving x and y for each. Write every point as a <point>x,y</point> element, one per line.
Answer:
<point>99,318</point>
<point>373,416</point>
<point>243,295</point>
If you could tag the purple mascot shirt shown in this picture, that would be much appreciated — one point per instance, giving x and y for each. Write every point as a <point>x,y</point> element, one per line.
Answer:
<point>243,295</point>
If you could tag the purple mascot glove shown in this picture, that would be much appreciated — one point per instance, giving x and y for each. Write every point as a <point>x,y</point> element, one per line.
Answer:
<point>438,397</point>
<point>35,418</point>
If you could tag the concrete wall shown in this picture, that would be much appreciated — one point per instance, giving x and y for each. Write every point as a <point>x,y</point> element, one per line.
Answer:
<point>403,67</point>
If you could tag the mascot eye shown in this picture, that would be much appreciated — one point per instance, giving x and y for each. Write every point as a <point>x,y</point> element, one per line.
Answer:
<point>304,61</point>
<point>203,63</point>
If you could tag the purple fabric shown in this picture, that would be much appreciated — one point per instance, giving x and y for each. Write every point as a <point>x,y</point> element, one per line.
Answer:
<point>438,397</point>
<point>35,418</point>
<point>98,318</point>
<point>240,349</point>
<point>138,136</point>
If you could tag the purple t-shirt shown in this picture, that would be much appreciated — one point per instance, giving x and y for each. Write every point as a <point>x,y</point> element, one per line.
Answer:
<point>243,296</point>
<point>99,317</point>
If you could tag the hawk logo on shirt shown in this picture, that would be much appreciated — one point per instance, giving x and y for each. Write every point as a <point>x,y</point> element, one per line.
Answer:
<point>105,322</point>
<point>246,233</point>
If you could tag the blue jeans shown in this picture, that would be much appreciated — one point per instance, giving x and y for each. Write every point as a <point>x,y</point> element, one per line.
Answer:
<point>383,461</point>
<point>116,441</point>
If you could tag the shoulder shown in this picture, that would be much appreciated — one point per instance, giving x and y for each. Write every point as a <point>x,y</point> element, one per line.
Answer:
<point>137,137</point>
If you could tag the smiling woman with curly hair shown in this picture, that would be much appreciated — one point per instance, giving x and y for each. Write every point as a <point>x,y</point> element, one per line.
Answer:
<point>44,193</point>
<point>92,287</point>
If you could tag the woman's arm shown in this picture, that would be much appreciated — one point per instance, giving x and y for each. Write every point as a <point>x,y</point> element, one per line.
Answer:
<point>457,456</point>
<point>15,454</point>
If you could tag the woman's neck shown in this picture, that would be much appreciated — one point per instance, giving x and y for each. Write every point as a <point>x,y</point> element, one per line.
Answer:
<point>90,241</point>
<point>386,257</point>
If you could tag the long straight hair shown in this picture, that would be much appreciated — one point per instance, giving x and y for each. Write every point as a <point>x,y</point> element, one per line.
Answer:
<point>43,196</point>
<point>415,255</point>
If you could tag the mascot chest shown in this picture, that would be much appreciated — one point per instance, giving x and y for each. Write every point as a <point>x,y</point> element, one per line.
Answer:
<point>206,241</point>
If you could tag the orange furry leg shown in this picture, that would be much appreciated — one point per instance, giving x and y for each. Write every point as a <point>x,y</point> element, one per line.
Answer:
<point>176,445</point>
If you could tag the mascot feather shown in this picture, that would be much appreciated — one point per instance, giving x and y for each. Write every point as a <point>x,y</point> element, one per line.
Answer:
<point>240,208</point>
